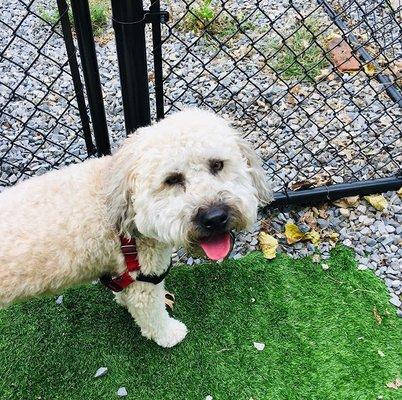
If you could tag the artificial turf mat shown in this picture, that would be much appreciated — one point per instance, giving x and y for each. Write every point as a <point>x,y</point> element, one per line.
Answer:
<point>322,340</point>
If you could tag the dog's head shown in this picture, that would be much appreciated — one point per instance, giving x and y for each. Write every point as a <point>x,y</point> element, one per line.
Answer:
<point>187,180</point>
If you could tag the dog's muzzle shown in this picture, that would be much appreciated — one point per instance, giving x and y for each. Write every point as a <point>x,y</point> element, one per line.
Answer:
<point>216,240</point>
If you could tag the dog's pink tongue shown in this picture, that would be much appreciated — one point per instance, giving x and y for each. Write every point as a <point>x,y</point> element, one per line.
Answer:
<point>217,247</point>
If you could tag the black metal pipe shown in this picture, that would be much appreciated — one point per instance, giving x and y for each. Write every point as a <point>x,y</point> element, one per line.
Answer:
<point>75,74</point>
<point>129,27</point>
<point>157,52</point>
<point>334,192</point>
<point>390,88</point>
<point>86,44</point>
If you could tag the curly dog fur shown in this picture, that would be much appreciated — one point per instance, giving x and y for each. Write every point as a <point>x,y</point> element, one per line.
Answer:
<point>63,228</point>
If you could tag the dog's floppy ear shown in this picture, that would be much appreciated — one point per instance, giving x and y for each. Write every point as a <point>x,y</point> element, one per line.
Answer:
<point>120,188</point>
<point>258,174</point>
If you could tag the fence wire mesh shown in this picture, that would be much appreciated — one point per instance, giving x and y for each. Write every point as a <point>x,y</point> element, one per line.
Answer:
<point>292,81</point>
<point>40,126</point>
<point>283,71</point>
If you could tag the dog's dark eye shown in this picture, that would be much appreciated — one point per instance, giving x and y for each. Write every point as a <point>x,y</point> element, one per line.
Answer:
<point>216,166</point>
<point>175,179</point>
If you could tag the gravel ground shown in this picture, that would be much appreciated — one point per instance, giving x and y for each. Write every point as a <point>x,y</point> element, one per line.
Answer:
<point>344,126</point>
<point>39,126</point>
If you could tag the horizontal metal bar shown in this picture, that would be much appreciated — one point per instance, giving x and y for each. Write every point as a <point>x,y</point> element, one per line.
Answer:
<point>158,17</point>
<point>334,192</point>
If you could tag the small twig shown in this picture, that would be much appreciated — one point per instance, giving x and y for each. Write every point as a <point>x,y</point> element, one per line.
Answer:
<point>362,290</point>
<point>221,350</point>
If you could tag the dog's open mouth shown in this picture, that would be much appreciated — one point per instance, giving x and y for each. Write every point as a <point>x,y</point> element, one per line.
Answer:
<point>217,246</point>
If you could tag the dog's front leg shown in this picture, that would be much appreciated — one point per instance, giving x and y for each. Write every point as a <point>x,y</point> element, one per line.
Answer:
<point>146,303</point>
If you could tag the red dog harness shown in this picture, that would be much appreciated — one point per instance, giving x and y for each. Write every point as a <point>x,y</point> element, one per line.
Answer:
<point>130,254</point>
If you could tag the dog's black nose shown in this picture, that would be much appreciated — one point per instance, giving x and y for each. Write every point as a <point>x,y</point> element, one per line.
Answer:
<point>215,218</point>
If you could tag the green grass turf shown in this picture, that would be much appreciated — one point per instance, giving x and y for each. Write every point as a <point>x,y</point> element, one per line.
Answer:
<point>321,338</point>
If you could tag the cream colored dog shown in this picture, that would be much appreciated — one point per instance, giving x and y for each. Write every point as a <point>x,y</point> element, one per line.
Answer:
<point>185,181</point>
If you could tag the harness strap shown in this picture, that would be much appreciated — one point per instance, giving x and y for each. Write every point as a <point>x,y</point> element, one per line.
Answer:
<point>155,279</point>
<point>129,251</point>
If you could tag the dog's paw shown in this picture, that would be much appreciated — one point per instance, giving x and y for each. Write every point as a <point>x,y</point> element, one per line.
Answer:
<point>174,332</point>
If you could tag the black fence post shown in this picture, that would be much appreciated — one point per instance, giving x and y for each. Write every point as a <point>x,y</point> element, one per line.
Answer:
<point>75,74</point>
<point>86,43</point>
<point>157,49</point>
<point>129,27</point>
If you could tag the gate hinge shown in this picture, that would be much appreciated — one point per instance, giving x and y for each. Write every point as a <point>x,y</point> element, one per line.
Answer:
<point>161,17</point>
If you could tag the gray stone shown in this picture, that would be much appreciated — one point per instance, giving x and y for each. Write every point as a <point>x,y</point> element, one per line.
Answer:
<point>102,371</point>
<point>395,300</point>
<point>122,392</point>
<point>323,223</point>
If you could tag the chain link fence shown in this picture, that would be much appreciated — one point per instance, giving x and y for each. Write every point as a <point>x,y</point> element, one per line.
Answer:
<point>40,123</point>
<point>315,86</point>
<point>300,79</point>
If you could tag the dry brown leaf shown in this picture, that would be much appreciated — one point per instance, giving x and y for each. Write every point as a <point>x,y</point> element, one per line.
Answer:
<point>346,202</point>
<point>291,99</point>
<point>330,235</point>
<point>151,76</point>
<point>104,39</point>
<point>318,180</point>
<point>266,225</point>
<point>378,201</point>
<point>315,211</point>
<point>377,316</point>
<point>295,89</point>
<point>396,384</point>
<point>268,245</point>
<point>323,213</point>
<point>309,219</point>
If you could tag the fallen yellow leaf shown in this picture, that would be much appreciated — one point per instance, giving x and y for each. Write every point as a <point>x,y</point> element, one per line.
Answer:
<point>377,316</point>
<point>313,236</point>
<point>377,201</point>
<point>332,236</point>
<point>369,69</point>
<point>268,245</point>
<point>293,233</point>
<point>346,202</point>
<point>399,192</point>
